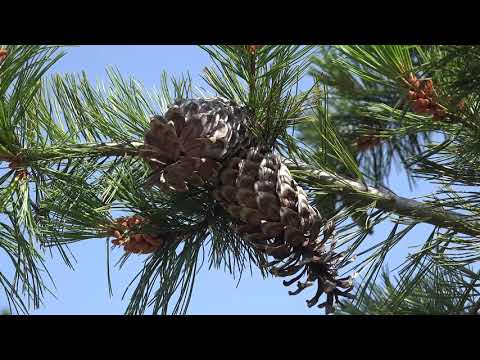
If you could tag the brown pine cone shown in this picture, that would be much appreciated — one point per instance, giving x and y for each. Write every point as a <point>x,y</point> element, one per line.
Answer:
<point>189,143</point>
<point>272,213</point>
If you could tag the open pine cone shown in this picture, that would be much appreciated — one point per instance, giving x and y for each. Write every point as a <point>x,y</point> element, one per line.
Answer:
<point>272,212</point>
<point>188,144</point>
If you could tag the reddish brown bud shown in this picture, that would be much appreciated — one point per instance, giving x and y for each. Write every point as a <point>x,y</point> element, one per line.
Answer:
<point>439,114</point>
<point>417,106</point>
<point>428,87</point>
<point>411,79</point>
<point>424,103</point>
<point>22,174</point>
<point>252,49</point>
<point>3,54</point>
<point>137,237</point>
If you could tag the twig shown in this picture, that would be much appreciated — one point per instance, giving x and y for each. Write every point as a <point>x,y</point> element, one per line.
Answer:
<point>387,200</point>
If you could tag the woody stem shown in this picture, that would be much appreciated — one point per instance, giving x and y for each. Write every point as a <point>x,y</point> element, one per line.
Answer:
<point>386,200</point>
<point>56,153</point>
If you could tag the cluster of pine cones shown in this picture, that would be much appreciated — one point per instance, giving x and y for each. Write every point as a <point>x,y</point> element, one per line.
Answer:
<point>423,98</point>
<point>124,232</point>
<point>206,141</point>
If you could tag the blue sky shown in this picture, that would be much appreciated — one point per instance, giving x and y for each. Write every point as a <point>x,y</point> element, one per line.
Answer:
<point>84,290</point>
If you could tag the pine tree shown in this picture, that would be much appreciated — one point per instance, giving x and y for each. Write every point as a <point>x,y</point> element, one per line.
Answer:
<point>256,172</point>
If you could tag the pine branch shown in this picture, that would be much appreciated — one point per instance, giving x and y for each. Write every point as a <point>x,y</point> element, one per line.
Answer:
<point>384,200</point>
<point>387,200</point>
<point>75,151</point>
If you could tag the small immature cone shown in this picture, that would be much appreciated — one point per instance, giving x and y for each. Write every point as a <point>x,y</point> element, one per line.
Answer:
<point>252,49</point>
<point>21,172</point>
<point>272,212</point>
<point>412,95</point>
<point>3,55</point>
<point>138,243</point>
<point>187,145</point>
<point>423,98</point>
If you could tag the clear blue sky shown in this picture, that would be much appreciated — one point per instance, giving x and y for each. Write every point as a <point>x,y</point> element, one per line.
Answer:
<point>85,291</point>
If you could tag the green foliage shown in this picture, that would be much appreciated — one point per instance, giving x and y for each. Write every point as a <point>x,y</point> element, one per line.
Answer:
<point>266,81</point>
<point>367,96</point>
<point>436,290</point>
<point>384,64</point>
<point>363,108</point>
<point>20,84</point>
<point>85,170</point>
<point>70,151</point>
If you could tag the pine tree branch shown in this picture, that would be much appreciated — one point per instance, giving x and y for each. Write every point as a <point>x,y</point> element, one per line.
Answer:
<point>387,200</point>
<point>384,199</point>
<point>75,150</point>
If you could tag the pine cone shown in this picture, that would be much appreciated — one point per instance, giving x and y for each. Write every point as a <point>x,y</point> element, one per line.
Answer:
<point>189,143</point>
<point>128,233</point>
<point>423,98</point>
<point>272,213</point>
